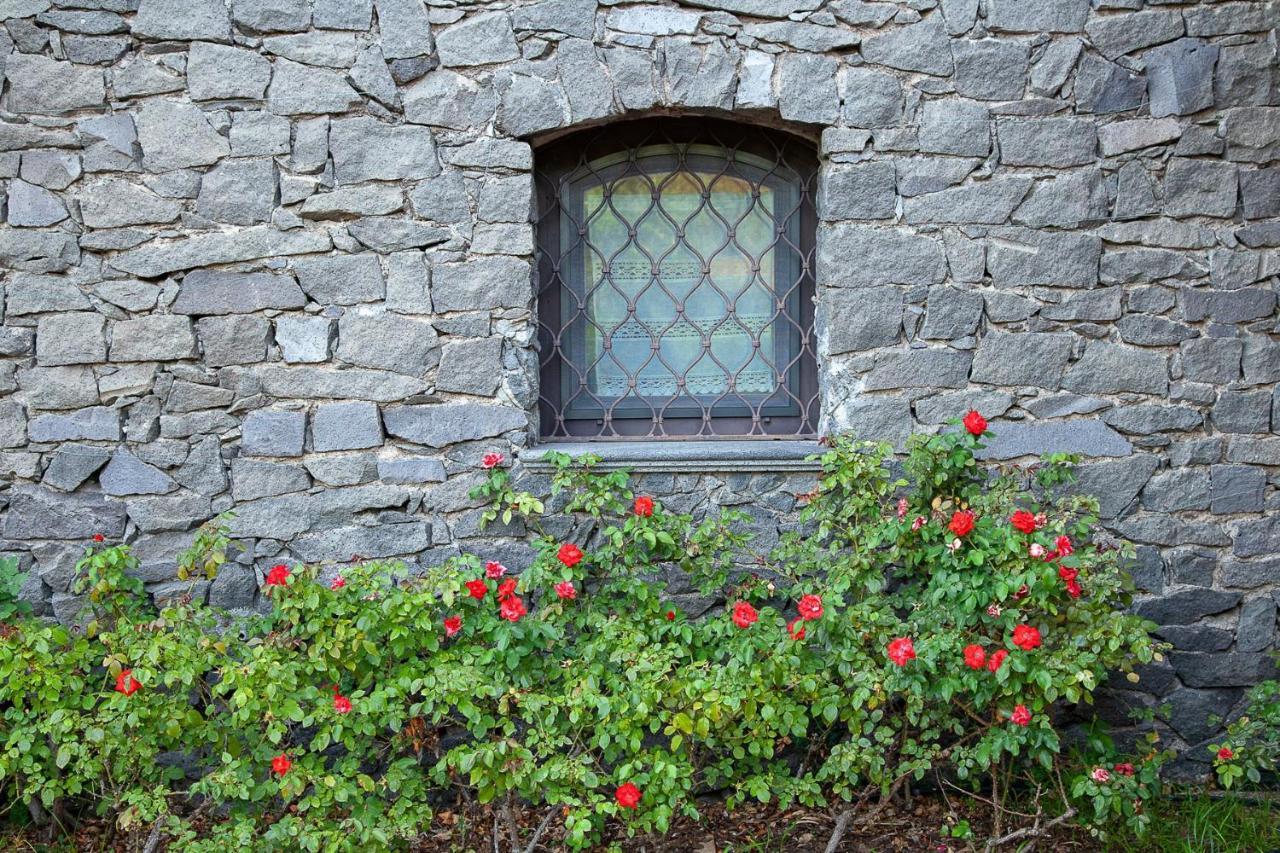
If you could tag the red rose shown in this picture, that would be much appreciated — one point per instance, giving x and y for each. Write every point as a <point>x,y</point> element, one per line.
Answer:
<point>126,683</point>
<point>512,608</point>
<point>492,460</point>
<point>961,522</point>
<point>341,704</point>
<point>810,608</point>
<point>975,657</point>
<point>477,588</point>
<point>98,537</point>
<point>744,615</point>
<point>644,506</point>
<point>901,650</point>
<point>565,590</point>
<point>494,570</point>
<point>996,660</point>
<point>1225,754</point>
<point>1125,769</point>
<point>570,554</point>
<point>796,628</point>
<point>1067,573</point>
<point>280,764</point>
<point>338,583</point>
<point>1020,716</point>
<point>507,588</point>
<point>1074,589</point>
<point>1063,546</point>
<point>975,423</point>
<point>1026,637</point>
<point>452,625</point>
<point>278,576</point>
<point>671,616</point>
<point>627,795</point>
<point>1024,521</point>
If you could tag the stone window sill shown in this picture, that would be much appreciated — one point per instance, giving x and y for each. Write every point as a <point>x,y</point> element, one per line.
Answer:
<point>682,457</point>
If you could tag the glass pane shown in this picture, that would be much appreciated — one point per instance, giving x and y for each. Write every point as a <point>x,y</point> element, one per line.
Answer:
<point>706,315</point>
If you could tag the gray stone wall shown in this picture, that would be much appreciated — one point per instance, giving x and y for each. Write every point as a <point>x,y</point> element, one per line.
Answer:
<point>275,255</point>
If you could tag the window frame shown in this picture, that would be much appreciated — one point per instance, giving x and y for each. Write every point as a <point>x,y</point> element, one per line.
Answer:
<point>562,176</point>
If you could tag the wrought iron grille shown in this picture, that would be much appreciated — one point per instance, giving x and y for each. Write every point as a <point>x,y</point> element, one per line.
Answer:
<point>675,264</point>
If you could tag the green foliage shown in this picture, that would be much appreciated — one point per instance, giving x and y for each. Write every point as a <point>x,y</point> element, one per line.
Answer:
<point>208,550</point>
<point>1252,745</point>
<point>576,677</point>
<point>11,581</point>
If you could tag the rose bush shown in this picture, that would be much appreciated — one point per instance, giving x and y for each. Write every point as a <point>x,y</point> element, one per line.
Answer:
<point>919,630</point>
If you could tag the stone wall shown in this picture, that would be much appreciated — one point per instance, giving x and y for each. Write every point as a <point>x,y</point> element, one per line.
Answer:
<point>275,255</point>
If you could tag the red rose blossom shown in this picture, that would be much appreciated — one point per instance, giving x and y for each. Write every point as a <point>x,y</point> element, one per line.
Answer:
<point>644,506</point>
<point>341,704</point>
<point>1100,775</point>
<point>917,523</point>
<point>569,554</point>
<point>975,657</point>
<point>1225,754</point>
<point>492,460</point>
<point>507,588</point>
<point>1063,546</point>
<point>1067,573</point>
<point>1023,521</point>
<point>1026,637</point>
<point>278,576</point>
<point>996,660</point>
<point>1125,769</point>
<point>903,506</point>
<point>494,570</point>
<point>796,628</point>
<point>338,583</point>
<point>671,616</point>
<point>452,625</point>
<point>975,423</point>
<point>744,615</point>
<point>961,522</point>
<point>627,795</point>
<point>280,764</point>
<point>98,537</point>
<point>126,683</point>
<point>1074,589</point>
<point>565,590</point>
<point>477,588</point>
<point>1022,592</point>
<point>512,608</point>
<point>810,607</point>
<point>901,650</point>
<point>1020,716</point>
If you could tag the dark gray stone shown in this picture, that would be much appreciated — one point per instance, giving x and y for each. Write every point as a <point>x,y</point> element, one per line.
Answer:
<point>234,339</point>
<point>1104,87</point>
<point>234,588</point>
<point>125,474</point>
<point>1196,714</point>
<point>917,47</point>
<point>1196,638</point>
<point>481,283</point>
<point>1215,360</point>
<point>39,513</point>
<point>863,191</point>
<point>217,292</point>
<point>990,69</point>
<point>1242,411</point>
<point>1021,358</point>
<point>1114,483</point>
<point>471,367</point>
<point>1177,490</point>
<point>1146,330</point>
<point>96,423</point>
<point>1257,629</point>
<point>919,368</point>
<point>412,470</point>
<point>1186,606</point>
<point>373,542</point>
<point>1053,16</point>
<point>955,127</point>
<point>1231,669</point>
<point>1145,420</point>
<point>1020,256</point>
<point>1237,488</point>
<point>273,433</point>
<point>1086,437</point>
<point>1047,141</point>
<point>72,464</point>
<point>989,202</point>
<point>1258,538</point>
<point>1250,574</point>
<point>1110,368</point>
<point>863,256</point>
<point>252,479</point>
<point>871,98</point>
<point>448,423</point>
<point>1180,77</point>
<point>1115,35</point>
<point>345,426</point>
<point>1199,188</point>
<point>341,279</point>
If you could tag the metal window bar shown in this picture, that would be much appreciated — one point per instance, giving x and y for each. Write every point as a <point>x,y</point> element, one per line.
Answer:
<point>675,261</point>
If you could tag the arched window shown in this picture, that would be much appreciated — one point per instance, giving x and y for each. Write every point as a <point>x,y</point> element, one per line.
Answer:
<point>675,264</point>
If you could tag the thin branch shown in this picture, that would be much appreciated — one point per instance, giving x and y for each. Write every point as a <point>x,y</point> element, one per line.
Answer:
<point>837,834</point>
<point>1031,831</point>
<point>542,827</point>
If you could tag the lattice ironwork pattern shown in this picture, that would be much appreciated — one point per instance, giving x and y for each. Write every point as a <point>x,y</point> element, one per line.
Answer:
<point>675,263</point>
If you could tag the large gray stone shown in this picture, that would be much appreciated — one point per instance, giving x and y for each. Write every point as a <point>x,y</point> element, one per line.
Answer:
<point>1214,360</point>
<point>871,98</point>
<point>183,20</point>
<point>863,191</point>
<point>807,88</point>
<point>919,368</point>
<point>1115,35</point>
<point>990,69</point>
<point>1111,368</point>
<point>218,292</point>
<point>154,338</point>
<point>41,294</point>
<point>1177,490</point>
<point>1242,411</point>
<point>1086,437</point>
<point>13,424</point>
<point>97,423</point>
<point>371,543</point>
<point>273,433</point>
<point>1114,483</point>
<point>1021,358</point>
<point>569,17</point>
<point>72,338</point>
<point>304,340</point>
<point>983,202</point>
<point>252,479</point>
<point>266,16</point>
<point>449,423</point>
<point>1225,669</point>
<point>234,339</point>
<point>405,28</point>
<point>33,207</point>
<point>1105,87</point>
<point>365,149</point>
<point>354,383</point>
<point>859,320</point>
<point>175,135</point>
<point>530,104</point>
<point>113,203</point>
<point>1145,420</point>
<point>1237,488</point>
<point>341,279</point>
<point>125,474</point>
<point>481,283</point>
<point>1258,538</point>
<point>157,259</point>
<point>1017,257</point>
<point>1257,629</point>
<point>38,84</point>
<point>1054,65</point>
<point>697,75</point>
<point>916,47</point>
<point>239,192</point>
<point>203,471</point>
<point>863,256</point>
<point>1047,142</point>
<point>955,127</point>
<point>39,513</point>
<point>1250,574</point>
<point>471,367</point>
<point>1119,137</point>
<point>1180,77</point>
<point>72,464</point>
<point>298,89</point>
<point>388,342</point>
<point>479,40</point>
<point>345,426</point>
<point>216,72</point>
<point>1199,188</point>
<point>1035,16</point>
<point>411,470</point>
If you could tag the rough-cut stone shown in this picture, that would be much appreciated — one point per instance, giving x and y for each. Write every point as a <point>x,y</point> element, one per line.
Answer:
<point>239,192</point>
<point>38,84</point>
<point>1242,412</point>
<point>365,149</point>
<point>217,71</point>
<point>916,47</point>
<point>304,340</point>
<point>919,368</point>
<point>1018,257</point>
<point>1199,187</point>
<point>1211,359</point>
<point>863,191</point>
<point>175,135</point>
<point>388,342</point>
<point>252,479</point>
<point>411,470</point>
<point>341,279</point>
<point>298,89</point>
<point>1237,488</point>
<point>1105,87</point>
<point>96,423</point>
<point>157,259</point>
<point>480,40</point>
<point>1054,16</point>
<point>471,367</point>
<point>1021,358</point>
<point>72,464</point>
<point>1115,483</point>
<point>39,513</point>
<point>217,292</point>
<point>72,338</point>
<point>481,283</point>
<point>345,426</point>
<point>373,542</point>
<point>273,433</point>
<point>1111,368</point>
<point>203,20</point>
<point>871,98</point>
<point>1121,136</point>
<point>990,69</point>
<point>1177,490</point>
<point>114,203</point>
<point>234,339</point>
<point>449,423</point>
<point>807,89</point>
<point>1086,437</point>
<point>33,207</point>
<point>1146,420</point>
<point>1116,35</point>
<point>154,338</point>
<point>1180,77</point>
<point>861,256</point>
<point>985,202</point>
<point>125,475</point>
<point>1047,142</point>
